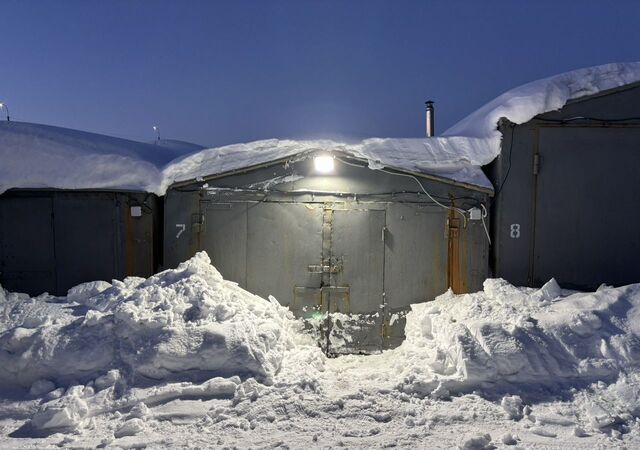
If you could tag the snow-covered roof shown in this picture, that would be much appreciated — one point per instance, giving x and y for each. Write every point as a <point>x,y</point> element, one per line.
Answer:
<point>38,156</point>
<point>446,158</point>
<point>44,156</point>
<point>523,103</point>
<point>456,155</point>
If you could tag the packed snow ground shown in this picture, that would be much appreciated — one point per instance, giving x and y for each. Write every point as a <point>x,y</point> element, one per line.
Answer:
<point>187,359</point>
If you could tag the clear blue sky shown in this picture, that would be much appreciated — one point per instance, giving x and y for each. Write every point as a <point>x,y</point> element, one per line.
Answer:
<point>216,72</point>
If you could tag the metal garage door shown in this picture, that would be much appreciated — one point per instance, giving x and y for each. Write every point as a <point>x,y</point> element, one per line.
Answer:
<point>27,258</point>
<point>85,238</point>
<point>587,184</point>
<point>314,258</point>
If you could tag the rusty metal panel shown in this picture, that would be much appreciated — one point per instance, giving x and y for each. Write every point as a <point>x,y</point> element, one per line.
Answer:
<point>474,256</point>
<point>282,240</point>
<point>140,214</point>
<point>27,259</point>
<point>225,239</point>
<point>353,333</point>
<point>306,301</point>
<point>325,299</point>
<point>454,272</point>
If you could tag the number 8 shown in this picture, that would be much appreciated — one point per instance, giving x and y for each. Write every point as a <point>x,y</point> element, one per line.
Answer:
<point>515,230</point>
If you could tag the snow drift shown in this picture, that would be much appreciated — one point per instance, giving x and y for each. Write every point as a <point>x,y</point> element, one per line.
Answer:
<point>188,324</point>
<point>120,349</point>
<point>182,324</point>
<point>519,337</point>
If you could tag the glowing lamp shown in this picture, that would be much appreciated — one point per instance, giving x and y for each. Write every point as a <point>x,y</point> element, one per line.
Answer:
<point>323,163</point>
<point>6,108</point>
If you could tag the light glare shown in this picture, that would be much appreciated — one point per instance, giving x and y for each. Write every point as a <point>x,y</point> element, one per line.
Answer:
<point>323,164</point>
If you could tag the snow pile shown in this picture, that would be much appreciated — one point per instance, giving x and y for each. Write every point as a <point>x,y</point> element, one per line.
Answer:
<point>523,103</point>
<point>507,336</point>
<point>186,324</point>
<point>187,357</point>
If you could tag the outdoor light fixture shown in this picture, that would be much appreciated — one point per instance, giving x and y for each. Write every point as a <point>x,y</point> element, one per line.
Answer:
<point>6,108</point>
<point>323,163</point>
<point>157,130</point>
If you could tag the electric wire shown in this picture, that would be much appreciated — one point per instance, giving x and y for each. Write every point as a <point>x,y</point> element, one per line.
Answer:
<point>504,180</point>
<point>591,119</point>
<point>460,211</point>
<point>485,213</point>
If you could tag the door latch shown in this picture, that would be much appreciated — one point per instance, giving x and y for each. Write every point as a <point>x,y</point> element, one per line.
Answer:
<point>334,266</point>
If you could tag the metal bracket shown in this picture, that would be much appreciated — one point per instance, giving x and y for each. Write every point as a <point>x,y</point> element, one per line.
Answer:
<point>197,222</point>
<point>318,268</point>
<point>333,265</point>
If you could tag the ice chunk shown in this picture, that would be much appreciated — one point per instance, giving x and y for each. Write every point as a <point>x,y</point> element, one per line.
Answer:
<point>140,411</point>
<point>107,380</point>
<point>130,428</point>
<point>509,439</point>
<point>477,442</point>
<point>551,290</point>
<point>84,291</point>
<point>66,413</point>
<point>512,406</point>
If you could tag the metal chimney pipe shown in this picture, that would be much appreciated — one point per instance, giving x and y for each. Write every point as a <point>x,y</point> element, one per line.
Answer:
<point>428,106</point>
